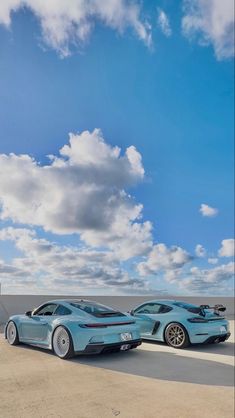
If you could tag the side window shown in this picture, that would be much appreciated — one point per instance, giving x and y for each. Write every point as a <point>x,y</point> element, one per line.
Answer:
<point>47,309</point>
<point>142,309</point>
<point>165,309</point>
<point>148,308</point>
<point>153,309</point>
<point>62,310</point>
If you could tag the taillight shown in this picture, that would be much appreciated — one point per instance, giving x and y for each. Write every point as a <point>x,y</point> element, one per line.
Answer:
<point>110,324</point>
<point>92,325</point>
<point>197,320</point>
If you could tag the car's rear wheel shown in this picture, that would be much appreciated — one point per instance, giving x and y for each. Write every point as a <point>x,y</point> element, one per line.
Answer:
<point>62,343</point>
<point>176,336</point>
<point>12,334</point>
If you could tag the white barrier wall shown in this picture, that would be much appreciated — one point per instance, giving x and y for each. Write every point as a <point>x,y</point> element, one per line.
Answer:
<point>17,304</point>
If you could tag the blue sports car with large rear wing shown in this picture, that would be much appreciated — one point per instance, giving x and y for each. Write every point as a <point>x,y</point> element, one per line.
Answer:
<point>180,324</point>
<point>70,327</point>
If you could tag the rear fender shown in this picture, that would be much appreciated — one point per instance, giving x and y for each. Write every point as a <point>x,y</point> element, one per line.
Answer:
<point>179,323</point>
<point>52,334</point>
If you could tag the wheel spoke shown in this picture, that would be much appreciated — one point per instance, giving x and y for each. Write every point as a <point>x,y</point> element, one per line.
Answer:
<point>61,342</point>
<point>175,335</point>
<point>11,332</point>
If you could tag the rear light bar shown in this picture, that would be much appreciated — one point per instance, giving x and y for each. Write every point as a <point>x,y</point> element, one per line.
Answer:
<point>100,325</point>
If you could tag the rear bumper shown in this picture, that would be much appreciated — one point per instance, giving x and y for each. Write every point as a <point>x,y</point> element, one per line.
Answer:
<point>109,348</point>
<point>217,338</point>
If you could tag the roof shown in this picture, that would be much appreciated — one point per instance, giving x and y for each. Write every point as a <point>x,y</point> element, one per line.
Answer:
<point>70,301</point>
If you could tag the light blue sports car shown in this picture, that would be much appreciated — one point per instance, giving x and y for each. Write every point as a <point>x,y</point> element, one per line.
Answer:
<point>70,327</point>
<point>180,324</point>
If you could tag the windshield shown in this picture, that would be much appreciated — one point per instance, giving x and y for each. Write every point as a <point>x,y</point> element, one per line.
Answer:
<point>96,309</point>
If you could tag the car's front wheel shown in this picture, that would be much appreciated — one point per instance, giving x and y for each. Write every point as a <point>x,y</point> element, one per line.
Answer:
<point>176,336</point>
<point>62,343</point>
<point>12,333</point>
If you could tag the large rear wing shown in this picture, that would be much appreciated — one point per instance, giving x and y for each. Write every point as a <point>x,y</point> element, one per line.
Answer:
<point>217,308</point>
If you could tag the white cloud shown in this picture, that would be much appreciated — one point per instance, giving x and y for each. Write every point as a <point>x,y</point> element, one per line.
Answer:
<point>173,264</point>
<point>50,265</point>
<point>206,280</point>
<point>200,251</point>
<point>168,261</point>
<point>163,23</point>
<point>212,22</point>
<point>212,260</point>
<point>227,248</point>
<point>208,210</point>
<point>11,271</point>
<point>81,191</point>
<point>65,24</point>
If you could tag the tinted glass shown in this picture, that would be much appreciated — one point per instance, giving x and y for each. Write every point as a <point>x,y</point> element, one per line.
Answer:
<point>149,308</point>
<point>153,309</point>
<point>62,310</point>
<point>46,309</point>
<point>96,309</point>
<point>165,309</point>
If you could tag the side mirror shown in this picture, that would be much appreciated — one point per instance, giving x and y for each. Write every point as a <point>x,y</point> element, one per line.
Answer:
<point>28,313</point>
<point>132,313</point>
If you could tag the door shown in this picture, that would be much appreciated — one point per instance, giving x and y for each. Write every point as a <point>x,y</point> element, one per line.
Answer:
<point>35,328</point>
<point>149,317</point>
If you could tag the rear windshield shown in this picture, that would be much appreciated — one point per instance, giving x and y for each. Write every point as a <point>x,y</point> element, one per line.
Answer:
<point>96,309</point>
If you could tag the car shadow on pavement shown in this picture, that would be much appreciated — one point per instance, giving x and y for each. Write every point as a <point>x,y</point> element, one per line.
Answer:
<point>226,349</point>
<point>158,364</point>
<point>163,366</point>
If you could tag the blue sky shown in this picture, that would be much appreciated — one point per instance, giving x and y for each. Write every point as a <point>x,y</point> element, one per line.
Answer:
<point>168,91</point>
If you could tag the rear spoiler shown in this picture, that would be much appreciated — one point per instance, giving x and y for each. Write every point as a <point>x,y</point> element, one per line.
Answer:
<point>217,308</point>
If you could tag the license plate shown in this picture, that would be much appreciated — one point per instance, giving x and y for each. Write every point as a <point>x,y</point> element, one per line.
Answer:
<point>125,347</point>
<point>126,336</point>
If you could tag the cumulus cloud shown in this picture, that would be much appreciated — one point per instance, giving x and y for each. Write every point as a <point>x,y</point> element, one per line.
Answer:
<point>205,280</point>
<point>9,271</point>
<point>81,191</point>
<point>84,190</point>
<point>44,265</point>
<point>200,251</point>
<point>58,265</point>
<point>227,248</point>
<point>168,261</point>
<point>163,22</point>
<point>65,25</point>
<point>211,22</point>
<point>208,210</point>
<point>16,276</point>
<point>213,260</point>
<point>173,264</point>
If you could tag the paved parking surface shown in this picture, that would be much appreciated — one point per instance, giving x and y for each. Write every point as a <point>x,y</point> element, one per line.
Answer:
<point>152,381</point>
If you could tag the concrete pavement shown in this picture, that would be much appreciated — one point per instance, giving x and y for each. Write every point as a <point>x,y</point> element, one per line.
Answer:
<point>152,381</point>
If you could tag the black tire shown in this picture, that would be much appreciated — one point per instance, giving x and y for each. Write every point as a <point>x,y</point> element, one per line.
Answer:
<point>62,343</point>
<point>176,335</point>
<point>12,333</point>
